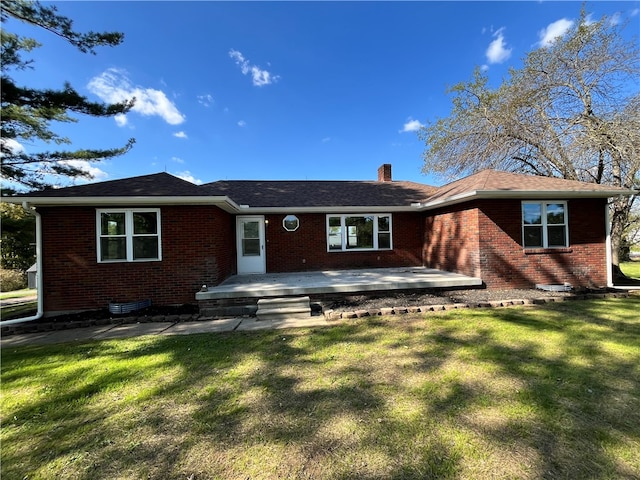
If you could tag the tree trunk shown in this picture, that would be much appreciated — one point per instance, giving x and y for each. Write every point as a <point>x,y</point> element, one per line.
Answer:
<point>620,208</point>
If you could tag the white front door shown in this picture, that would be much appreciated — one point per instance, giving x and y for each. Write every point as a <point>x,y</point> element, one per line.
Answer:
<point>250,244</point>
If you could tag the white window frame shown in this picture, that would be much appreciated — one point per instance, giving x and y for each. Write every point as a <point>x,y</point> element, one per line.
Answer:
<point>290,218</point>
<point>129,235</point>
<point>545,226</point>
<point>344,233</point>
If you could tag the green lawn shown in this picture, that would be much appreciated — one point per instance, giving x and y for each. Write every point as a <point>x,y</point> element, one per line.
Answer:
<point>7,312</point>
<point>521,393</point>
<point>631,269</point>
<point>25,292</point>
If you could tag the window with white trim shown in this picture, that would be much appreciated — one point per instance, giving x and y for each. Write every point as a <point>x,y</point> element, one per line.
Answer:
<point>128,235</point>
<point>358,232</point>
<point>544,224</point>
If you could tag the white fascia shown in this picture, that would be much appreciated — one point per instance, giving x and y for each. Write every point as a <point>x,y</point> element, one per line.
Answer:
<point>224,202</point>
<point>522,194</point>
<point>246,209</point>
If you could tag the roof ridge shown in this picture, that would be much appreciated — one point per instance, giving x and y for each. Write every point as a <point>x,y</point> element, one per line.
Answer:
<point>487,173</point>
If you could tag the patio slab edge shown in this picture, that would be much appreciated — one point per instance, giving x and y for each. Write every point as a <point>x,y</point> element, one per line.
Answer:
<point>223,293</point>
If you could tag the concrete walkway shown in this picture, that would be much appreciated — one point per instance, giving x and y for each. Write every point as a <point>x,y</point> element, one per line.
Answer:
<point>128,330</point>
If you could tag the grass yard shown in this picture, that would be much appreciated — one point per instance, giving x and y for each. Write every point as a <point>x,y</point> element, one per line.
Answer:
<point>548,392</point>
<point>631,269</point>
<point>24,292</point>
<point>8,312</point>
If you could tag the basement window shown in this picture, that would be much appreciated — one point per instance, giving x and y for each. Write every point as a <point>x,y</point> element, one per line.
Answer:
<point>358,232</point>
<point>544,224</point>
<point>126,235</point>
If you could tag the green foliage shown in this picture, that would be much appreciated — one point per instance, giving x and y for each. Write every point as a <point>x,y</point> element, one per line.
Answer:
<point>17,241</point>
<point>27,114</point>
<point>12,280</point>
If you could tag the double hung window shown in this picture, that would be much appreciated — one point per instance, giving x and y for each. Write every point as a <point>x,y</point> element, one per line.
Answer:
<point>126,235</point>
<point>544,224</point>
<point>358,232</point>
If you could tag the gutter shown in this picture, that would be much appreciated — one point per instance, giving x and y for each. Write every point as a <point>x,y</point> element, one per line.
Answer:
<point>40,311</point>
<point>519,195</point>
<point>224,202</point>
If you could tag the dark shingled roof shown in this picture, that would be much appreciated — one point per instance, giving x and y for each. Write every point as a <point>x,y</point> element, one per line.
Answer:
<point>495,180</point>
<point>155,185</point>
<point>320,193</point>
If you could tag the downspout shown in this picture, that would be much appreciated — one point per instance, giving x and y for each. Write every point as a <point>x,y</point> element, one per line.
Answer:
<point>607,226</point>
<point>39,275</point>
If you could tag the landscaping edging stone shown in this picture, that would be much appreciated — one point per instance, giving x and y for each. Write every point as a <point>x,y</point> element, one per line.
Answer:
<point>334,315</point>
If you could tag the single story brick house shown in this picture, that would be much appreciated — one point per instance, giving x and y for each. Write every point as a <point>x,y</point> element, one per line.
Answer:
<point>161,238</point>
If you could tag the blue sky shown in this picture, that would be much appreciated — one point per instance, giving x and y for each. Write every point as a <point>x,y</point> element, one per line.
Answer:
<point>285,90</point>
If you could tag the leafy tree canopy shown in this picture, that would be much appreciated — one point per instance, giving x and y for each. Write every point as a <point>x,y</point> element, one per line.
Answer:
<point>17,239</point>
<point>27,114</point>
<point>571,111</point>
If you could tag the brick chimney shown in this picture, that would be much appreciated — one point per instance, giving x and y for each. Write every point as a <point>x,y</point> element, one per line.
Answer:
<point>384,172</point>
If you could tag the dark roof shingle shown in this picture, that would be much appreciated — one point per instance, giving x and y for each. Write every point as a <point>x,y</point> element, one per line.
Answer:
<point>499,181</point>
<point>154,185</point>
<point>320,193</point>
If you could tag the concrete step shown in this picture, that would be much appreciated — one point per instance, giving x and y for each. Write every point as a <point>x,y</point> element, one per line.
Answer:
<point>283,308</point>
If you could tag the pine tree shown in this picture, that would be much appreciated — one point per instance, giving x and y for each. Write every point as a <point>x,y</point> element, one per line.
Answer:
<point>27,113</point>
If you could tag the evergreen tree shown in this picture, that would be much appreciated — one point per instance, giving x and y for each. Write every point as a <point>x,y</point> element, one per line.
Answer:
<point>27,114</point>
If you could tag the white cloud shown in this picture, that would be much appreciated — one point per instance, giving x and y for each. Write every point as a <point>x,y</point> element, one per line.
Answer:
<point>411,126</point>
<point>497,52</point>
<point>553,30</point>
<point>87,167</point>
<point>16,147</point>
<point>177,160</point>
<point>186,175</point>
<point>259,76</point>
<point>242,123</point>
<point>615,19</point>
<point>205,100</point>
<point>180,134</point>
<point>121,119</point>
<point>114,86</point>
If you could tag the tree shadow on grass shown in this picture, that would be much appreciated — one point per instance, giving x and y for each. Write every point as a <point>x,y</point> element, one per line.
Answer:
<point>376,398</point>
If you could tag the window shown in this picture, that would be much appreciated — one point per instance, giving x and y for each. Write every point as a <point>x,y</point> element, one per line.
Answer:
<point>290,223</point>
<point>358,232</point>
<point>544,224</point>
<point>128,235</point>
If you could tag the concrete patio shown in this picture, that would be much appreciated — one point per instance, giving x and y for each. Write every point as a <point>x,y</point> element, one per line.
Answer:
<point>336,281</point>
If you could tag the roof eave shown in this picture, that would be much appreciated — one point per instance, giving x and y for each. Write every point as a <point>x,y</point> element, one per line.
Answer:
<point>325,209</point>
<point>522,195</point>
<point>224,202</point>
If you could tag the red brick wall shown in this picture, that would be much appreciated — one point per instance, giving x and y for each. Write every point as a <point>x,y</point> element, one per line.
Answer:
<point>493,248</point>
<point>197,248</point>
<point>306,248</point>
<point>451,240</point>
